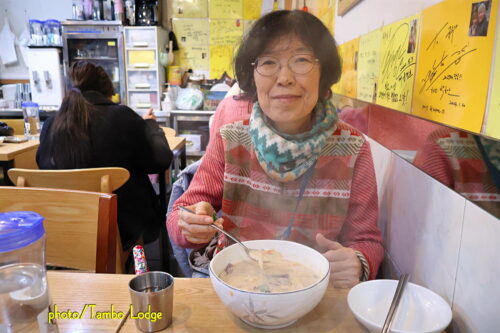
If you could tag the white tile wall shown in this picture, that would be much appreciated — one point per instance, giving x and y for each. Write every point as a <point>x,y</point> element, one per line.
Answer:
<point>448,244</point>
<point>477,292</point>
<point>424,228</point>
<point>382,160</point>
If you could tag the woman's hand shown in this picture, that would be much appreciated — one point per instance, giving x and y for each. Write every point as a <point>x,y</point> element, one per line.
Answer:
<point>196,227</point>
<point>345,267</point>
<point>149,115</point>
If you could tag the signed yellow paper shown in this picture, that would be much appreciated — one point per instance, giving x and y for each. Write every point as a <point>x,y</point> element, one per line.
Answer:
<point>349,54</point>
<point>194,57</point>
<point>453,67</point>
<point>225,9</point>
<point>398,56</point>
<point>191,31</point>
<point>189,8</point>
<point>221,60</point>
<point>252,9</point>
<point>337,88</point>
<point>223,32</point>
<point>369,65</point>
<point>493,121</point>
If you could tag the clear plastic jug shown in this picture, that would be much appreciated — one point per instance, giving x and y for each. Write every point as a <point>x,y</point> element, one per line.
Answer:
<point>31,117</point>
<point>24,296</point>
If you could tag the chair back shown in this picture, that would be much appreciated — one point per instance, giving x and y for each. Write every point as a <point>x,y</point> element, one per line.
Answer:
<point>104,180</point>
<point>16,124</point>
<point>81,227</point>
<point>168,131</point>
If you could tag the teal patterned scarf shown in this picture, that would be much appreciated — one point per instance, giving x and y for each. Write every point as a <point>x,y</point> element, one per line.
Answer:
<point>286,157</point>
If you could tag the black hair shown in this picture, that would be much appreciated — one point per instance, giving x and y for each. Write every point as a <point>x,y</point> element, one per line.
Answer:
<point>308,28</point>
<point>70,133</point>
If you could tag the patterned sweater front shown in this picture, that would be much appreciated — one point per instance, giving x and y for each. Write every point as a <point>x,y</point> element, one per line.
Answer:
<point>339,199</point>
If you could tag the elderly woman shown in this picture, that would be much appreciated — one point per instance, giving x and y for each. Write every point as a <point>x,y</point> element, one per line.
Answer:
<point>289,169</point>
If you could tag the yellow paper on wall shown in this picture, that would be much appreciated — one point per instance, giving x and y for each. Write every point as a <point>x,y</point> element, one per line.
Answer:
<point>226,9</point>
<point>398,55</point>
<point>322,9</point>
<point>224,32</point>
<point>493,121</point>
<point>252,9</point>
<point>369,65</point>
<point>194,57</point>
<point>348,83</point>
<point>454,64</point>
<point>221,60</point>
<point>337,88</point>
<point>191,31</point>
<point>190,8</point>
<point>247,25</point>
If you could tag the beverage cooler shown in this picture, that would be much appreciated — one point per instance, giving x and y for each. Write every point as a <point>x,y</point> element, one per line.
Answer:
<point>100,42</point>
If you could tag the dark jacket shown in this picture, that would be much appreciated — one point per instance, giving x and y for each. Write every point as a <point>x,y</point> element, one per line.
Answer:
<point>121,138</point>
<point>482,28</point>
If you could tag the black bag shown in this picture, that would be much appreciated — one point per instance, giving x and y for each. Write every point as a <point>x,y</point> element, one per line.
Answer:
<point>6,130</point>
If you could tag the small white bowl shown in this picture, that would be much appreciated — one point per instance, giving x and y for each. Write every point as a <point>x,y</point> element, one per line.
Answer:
<point>420,310</point>
<point>274,310</point>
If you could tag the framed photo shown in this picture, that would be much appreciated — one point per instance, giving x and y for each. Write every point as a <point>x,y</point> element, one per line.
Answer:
<point>346,5</point>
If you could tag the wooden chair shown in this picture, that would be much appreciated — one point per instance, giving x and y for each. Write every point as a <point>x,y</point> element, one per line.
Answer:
<point>168,131</point>
<point>16,124</point>
<point>104,180</point>
<point>81,227</point>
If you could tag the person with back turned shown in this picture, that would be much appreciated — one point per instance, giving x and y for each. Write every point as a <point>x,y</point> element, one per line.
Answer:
<point>91,131</point>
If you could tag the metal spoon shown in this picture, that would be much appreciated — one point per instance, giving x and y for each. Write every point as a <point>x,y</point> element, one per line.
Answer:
<point>254,256</point>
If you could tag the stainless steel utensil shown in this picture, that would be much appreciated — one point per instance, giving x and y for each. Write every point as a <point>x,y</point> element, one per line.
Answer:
<point>247,250</point>
<point>403,280</point>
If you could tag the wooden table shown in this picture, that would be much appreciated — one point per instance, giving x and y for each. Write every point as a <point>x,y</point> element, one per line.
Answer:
<point>196,306</point>
<point>24,154</point>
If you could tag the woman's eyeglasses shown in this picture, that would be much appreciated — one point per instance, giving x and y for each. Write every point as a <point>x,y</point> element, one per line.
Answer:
<point>299,64</point>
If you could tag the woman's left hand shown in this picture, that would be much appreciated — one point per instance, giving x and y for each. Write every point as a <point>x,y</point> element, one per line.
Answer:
<point>345,267</point>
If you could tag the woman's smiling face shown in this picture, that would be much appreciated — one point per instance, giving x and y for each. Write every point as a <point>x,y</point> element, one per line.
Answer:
<point>288,98</point>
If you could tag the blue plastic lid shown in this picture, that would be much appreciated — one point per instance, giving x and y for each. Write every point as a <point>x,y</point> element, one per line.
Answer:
<point>29,104</point>
<point>19,229</point>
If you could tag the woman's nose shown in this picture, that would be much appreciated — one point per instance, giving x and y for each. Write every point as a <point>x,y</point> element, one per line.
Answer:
<point>285,76</point>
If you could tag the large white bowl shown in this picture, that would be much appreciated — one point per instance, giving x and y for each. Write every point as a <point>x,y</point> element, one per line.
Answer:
<point>420,309</point>
<point>277,309</point>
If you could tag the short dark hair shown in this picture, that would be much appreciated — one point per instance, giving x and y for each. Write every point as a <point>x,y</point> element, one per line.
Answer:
<point>308,28</point>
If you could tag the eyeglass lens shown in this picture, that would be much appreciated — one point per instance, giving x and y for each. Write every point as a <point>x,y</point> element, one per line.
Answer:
<point>299,64</point>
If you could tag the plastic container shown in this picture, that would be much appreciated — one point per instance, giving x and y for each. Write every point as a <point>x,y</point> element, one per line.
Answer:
<point>24,296</point>
<point>36,32</point>
<point>52,29</point>
<point>174,75</point>
<point>31,120</point>
<point>77,10</point>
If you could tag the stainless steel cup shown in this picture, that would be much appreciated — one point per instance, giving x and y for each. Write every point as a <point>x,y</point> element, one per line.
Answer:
<point>152,296</point>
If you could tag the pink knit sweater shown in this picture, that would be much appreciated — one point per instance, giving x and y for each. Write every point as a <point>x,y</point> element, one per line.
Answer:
<point>359,228</point>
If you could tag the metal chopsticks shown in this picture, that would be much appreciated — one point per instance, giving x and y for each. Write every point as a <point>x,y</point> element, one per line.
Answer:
<point>403,280</point>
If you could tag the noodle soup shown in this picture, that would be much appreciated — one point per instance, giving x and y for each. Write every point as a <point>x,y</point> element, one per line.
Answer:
<point>271,274</point>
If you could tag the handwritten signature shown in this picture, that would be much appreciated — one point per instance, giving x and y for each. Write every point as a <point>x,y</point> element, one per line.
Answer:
<point>440,67</point>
